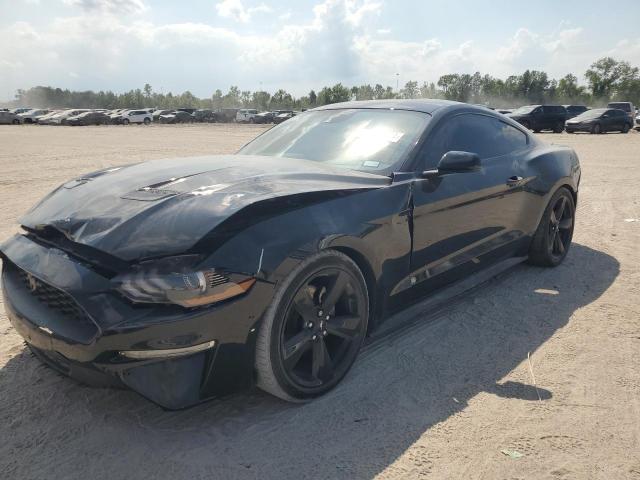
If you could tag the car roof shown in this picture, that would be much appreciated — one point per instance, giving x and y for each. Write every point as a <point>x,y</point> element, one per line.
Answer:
<point>418,105</point>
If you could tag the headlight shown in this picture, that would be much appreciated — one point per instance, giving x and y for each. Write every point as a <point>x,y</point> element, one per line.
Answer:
<point>175,280</point>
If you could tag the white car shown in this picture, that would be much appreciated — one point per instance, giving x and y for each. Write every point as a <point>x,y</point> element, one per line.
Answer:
<point>246,115</point>
<point>30,116</point>
<point>137,116</point>
<point>61,118</point>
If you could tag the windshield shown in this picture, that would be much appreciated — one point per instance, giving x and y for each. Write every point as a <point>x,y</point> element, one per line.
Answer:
<point>620,105</point>
<point>525,110</point>
<point>595,113</point>
<point>370,140</point>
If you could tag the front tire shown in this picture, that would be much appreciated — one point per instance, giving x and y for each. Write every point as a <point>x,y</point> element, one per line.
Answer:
<point>553,236</point>
<point>597,129</point>
<point>147,121</point>
<point>313,329</point>
<point>125,121</point>
<point>626,128</point>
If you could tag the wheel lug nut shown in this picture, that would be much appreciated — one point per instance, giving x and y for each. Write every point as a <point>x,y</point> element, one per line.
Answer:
<point>320,313</point>
<point>327,317</point>
<point>315,337</point>
<point>324,333</point>
<point>310,324</point>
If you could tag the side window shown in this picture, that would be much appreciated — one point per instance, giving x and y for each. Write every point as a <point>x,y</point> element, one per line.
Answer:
<point>483,135</point>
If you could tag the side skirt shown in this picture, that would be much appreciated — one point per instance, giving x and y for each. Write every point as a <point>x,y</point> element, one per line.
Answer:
<point>428,310</point>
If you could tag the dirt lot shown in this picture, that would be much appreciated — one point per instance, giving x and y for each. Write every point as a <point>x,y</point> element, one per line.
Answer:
<point>439,401</point>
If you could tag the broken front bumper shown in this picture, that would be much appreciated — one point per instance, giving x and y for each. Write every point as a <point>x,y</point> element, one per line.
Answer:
<point>73,320</point>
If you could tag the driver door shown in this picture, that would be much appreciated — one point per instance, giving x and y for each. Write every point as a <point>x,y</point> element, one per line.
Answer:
<point>464,222</point>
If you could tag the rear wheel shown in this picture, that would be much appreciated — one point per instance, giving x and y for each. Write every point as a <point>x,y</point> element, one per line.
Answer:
<point>559,127</point>
<point>125,121</point>
<point>553,236</point>
<point>596,129</point>
<point>16,121</point>
<point>313,329</point>
<point>626,128</point>
<point>147,121</point>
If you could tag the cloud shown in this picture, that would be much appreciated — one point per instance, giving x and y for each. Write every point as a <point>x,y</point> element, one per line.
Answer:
<point>235,10</point>
<point>125,7</point>
<point>339,41</point>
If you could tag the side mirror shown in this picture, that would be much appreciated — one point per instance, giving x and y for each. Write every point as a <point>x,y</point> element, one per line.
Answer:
<point>455,162</point>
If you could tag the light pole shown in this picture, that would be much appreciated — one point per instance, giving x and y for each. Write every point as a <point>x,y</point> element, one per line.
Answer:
<point>397,82</point>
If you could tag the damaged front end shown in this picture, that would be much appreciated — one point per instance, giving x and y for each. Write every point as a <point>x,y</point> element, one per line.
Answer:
<point>172,331</point>
<point>155,276</point>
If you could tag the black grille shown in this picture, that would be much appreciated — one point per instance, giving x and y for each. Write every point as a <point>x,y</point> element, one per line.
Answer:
<point>52,297</point>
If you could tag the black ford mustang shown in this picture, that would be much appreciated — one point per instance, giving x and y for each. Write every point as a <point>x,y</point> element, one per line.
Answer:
<point>186,279</point>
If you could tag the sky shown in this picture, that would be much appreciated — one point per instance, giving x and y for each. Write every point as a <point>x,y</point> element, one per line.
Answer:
<point>203,45</point>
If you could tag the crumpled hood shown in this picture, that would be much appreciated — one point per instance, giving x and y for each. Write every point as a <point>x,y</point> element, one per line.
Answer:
<point>164,207</point>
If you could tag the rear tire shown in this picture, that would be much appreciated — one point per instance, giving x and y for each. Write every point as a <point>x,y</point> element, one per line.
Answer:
<point>125,121</point>
<point>626,128</point>
<point>147,121</point>
<point>16,121</point>
<point>313,328</point>
<point>597,129</point>
<point>559,128</point>
<point>553,236</point>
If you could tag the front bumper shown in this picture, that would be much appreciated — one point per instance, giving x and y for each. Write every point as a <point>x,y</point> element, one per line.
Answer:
<point>72,319</point>
<point>578,127</point>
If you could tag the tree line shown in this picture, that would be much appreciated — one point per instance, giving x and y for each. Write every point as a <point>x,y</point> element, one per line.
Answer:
<point>607,79</point>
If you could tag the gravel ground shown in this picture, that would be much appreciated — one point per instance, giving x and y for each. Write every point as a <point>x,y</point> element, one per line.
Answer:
<point>441,400</point>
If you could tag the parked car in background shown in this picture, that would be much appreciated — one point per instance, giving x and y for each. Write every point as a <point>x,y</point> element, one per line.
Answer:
<point>43,119</point>
<point>281,117</point>
<point>264,117</point>
<point>504,111</point>
<point>227,115</point>
<point>61,118</point>
<point>246,115</point>
<point>156,114</point>
<point>188,110</point>
<point>600,120</point>
<point>89,118</point>
<point>136,116</point>
<point>626,107</point>
<point>637,120</point>
<point>29,116</point>
<point>541,117</point>
<point>9,118</point>
<point>177,116</point>
<point>574,110</point>
<point>204,115</point>
<point>20,110</point>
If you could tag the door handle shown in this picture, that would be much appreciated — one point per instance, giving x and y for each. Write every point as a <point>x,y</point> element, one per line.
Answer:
<point>514,181</point>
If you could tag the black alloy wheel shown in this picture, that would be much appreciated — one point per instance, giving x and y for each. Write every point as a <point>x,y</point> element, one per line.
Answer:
<point>560,228</point>
<point>313,332</point>
<point>596,129</point>
<point>552,239</point>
